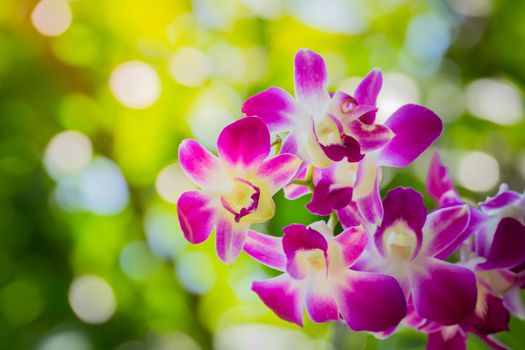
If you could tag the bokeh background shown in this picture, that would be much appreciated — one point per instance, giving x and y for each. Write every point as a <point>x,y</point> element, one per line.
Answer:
<point>96,95</point>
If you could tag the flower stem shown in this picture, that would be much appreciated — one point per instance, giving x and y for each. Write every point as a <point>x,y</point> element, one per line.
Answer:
<point>277,143</point>
<point>333,221</point>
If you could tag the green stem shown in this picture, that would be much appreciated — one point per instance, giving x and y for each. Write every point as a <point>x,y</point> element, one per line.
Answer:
<point>333,221</point>
<point>277,143</point>
<point>308,179</point>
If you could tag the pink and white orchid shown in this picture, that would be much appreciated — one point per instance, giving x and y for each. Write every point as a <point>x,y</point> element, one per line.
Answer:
<point>236,188</point>
<point>390,257</point>
<point>317,275</point>
<point>322,128</point>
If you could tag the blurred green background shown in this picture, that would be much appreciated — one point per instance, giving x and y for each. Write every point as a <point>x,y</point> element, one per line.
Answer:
<point>96,95</point>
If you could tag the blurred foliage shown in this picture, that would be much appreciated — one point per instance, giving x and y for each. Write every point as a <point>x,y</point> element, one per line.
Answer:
<point>109,217</point>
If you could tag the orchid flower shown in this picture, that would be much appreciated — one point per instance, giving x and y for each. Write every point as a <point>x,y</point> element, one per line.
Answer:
<point>498,246</point>
<point>489,317</point>
<point>409,246</point>
<point>236,188</point>
<point>317,276</point>
<point>341,182</point>
<point>322,128</point>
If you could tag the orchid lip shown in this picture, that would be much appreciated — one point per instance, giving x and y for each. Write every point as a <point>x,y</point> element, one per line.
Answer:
<point>313,260</point>
<point>242,200</point>
<point>400,242</point>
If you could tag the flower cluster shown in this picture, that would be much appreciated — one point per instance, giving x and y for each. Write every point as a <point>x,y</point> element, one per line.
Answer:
<point>391,262</point>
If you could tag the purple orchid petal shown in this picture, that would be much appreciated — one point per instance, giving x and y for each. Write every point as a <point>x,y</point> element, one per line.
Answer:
<point>508,246</point>
<point>230,239</point>
<point>482,227</point>
<point>201,166</point>
<point>290,144</point>
<point>366,192</point>
<point>352,242</point>
<point>371,301</point>
<point>443,228</point>
<point>284,296</point>
<point>439,185</point>
<point>279,171</point>
<point>370,137</point>
<point>444,292</point>
<point>503,199</point>
<point>297,238</point>
<point>349,148</point>
<point>197,214</point>
<point>349,216</point>
<point>514,303</point>
<point>403,211</point>
<point>328,197</point>
<point>446,340</point>
<point>492,318</point>
<point>275,107</point>
<point>293,191</point>
<point>416,128</point>
<point>320,304</point>
<point>245,142</point>
<point>311,81</point>
<point>368,89</point>
<point>267,250</point>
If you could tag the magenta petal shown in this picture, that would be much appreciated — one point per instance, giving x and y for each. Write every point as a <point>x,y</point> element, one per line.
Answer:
<point>197,215</point>
<point>439,185</point>
<point>406,206</point>
<point>283,296</point>
<point>230,239</point>
<point>370,301</point>
<point>349,216</point>
<point>370,137</point>
<point>514,303</point>
<point>494,317</point>
<point>275,107</point>
<point>349,148</point>
<point>444,292</point>
<point>368,89</point>
<point>293,191</point>
<point>320,304</point>
<point>370,206</point>
<point>416,128</point>
<point>443,228</point>
<point>353,242</point>
<point>311,81</point>
<point>508,246</point>
<point>297,238</point>
<point>328,197</point>
<point>501,200</point>
<point>290,144</point>
<point>244,142</point>
<point>279,171</point>
<point>367,92</point>
<point>441,341</point>
<point>267,250</point>
<point>202,166</point>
